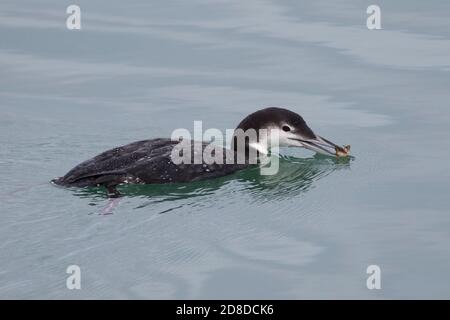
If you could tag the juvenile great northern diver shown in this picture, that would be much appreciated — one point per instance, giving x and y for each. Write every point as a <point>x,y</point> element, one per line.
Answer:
<point>149,161</point>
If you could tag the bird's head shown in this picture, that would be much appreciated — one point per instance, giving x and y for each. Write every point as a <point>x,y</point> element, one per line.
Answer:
<point>289,128</point>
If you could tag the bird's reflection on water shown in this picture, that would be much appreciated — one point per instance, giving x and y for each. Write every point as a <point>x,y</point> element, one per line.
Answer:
<point>295,176</point>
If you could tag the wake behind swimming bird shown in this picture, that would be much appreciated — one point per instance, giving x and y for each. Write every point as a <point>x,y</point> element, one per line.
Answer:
<point>151,162</point>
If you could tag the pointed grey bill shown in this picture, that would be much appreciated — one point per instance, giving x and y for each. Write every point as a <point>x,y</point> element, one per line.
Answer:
<point>321,145</point>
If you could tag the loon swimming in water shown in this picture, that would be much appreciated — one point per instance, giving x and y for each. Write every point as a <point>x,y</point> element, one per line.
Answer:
<point>150,162</point>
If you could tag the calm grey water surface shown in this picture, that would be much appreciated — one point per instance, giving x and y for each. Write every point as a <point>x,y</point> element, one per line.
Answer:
<point>139,69</point>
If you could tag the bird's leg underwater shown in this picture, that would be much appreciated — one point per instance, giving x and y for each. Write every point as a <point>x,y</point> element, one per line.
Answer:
<point>111,206</point>
<point>113,192</point>
<point>114,199</point>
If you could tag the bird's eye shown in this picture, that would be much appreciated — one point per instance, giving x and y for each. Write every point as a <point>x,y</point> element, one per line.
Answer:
<point>286,128</point>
